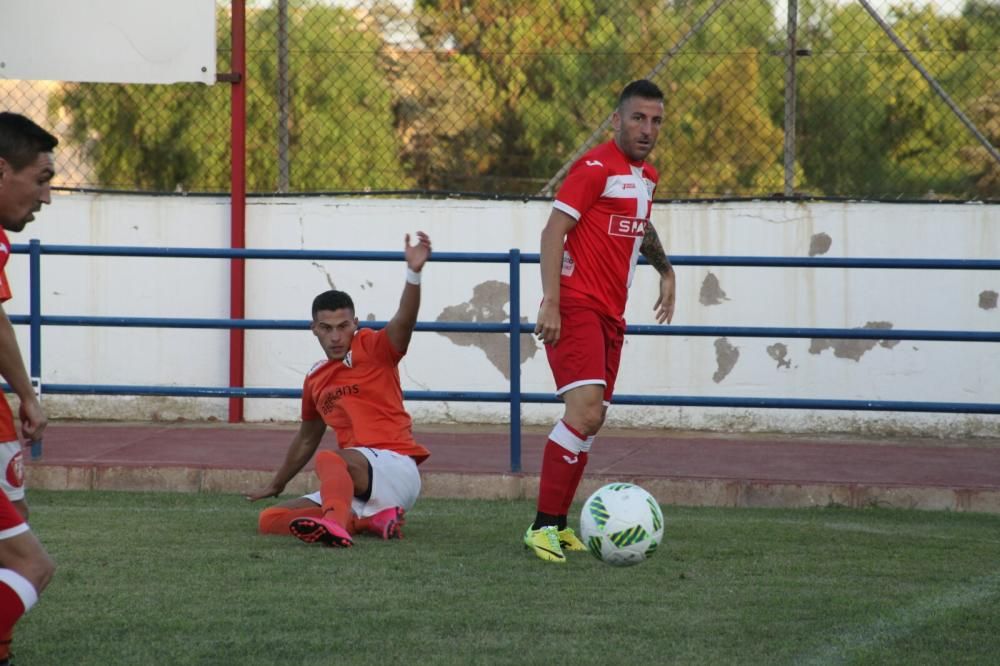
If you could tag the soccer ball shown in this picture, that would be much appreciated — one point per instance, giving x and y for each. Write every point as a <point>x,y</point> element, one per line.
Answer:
<point>621,524</point>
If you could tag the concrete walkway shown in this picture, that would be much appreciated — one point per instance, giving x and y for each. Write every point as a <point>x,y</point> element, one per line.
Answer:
<point>474,461</point>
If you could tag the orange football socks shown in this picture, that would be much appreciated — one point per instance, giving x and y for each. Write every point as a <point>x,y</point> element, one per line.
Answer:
<point>335,487</point>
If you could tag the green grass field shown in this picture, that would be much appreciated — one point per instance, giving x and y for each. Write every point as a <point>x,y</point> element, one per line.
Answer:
<point>183,579</point>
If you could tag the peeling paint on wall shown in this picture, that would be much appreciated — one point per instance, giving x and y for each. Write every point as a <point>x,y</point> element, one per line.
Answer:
<point>819,244</point>
<point>487,306</point>
<point>988,299</point>
<point>726,356</point>
<point>326,274</point>
<point>853,349</point>
<point>779,352</point>
<point>711,293</point>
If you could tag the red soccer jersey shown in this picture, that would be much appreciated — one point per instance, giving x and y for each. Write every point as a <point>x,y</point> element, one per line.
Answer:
<point>5,293</point>
<point>610,197</point>
<point>8,433</point>
<point>361,399</point>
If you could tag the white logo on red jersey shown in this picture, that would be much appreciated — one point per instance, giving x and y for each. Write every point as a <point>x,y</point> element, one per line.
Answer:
<point>347,360</point>
<point>628,227</point>
<point>594,163</point>
<point>568,265</point>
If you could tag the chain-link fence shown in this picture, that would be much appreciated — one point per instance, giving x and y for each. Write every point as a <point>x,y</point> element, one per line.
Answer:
<point>494,97</point>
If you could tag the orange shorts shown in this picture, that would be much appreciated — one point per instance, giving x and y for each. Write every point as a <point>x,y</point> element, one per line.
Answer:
<point>589,350</point>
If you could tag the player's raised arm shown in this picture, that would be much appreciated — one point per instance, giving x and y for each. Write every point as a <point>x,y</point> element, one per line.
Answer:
<point>652,249</point>
<point>400,327</point>
<point>549,323</point>
<point>299,452</point>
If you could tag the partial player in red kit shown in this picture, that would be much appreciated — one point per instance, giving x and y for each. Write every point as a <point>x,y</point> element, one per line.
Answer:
<point>590,246</point>
<point>26,172</point>
<point>372,480</point>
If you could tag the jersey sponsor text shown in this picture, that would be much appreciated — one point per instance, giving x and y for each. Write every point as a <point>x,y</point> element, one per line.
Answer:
<point>629,227</point>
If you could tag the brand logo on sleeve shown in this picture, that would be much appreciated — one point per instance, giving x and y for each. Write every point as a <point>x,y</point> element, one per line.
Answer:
<point>627,227</point>
<point>594,163</point>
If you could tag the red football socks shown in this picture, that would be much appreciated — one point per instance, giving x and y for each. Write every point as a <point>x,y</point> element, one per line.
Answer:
<point>561,470</point>
<point>17,595</point>
<point>574,483</point>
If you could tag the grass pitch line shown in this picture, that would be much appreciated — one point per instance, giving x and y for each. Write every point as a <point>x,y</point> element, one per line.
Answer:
<point>852,645</point>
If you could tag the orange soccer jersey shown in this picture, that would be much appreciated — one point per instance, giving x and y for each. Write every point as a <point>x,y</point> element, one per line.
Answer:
<point>8,433</point>
<point>361,399</point>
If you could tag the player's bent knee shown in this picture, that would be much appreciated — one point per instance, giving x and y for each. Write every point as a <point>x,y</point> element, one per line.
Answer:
<point>43,572</point>
<point>592,420</point>
<point>35,566</point>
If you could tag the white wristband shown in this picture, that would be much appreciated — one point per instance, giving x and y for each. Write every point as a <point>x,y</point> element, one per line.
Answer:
<point>412,276</point>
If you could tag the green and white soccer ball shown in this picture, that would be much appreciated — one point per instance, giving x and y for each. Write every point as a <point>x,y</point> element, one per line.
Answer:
<point>621,524</point>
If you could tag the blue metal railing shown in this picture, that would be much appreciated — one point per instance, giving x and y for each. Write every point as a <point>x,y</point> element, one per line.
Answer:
<point>514,258</point>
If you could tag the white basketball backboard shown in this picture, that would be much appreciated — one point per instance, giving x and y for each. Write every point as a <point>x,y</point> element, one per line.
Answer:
<point>115,41</point>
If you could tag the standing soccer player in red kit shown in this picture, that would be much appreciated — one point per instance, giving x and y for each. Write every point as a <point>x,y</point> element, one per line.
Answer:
<point>25,568</point>
<point>589,249</point>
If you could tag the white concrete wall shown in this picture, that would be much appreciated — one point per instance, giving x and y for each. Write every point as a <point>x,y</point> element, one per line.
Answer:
<point>907,370</point>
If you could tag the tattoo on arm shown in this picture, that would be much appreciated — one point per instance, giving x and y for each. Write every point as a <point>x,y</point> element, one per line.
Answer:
<point>653,250</point>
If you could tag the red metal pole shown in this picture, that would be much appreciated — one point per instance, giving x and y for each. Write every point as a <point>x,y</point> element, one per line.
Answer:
<point>238,200</point>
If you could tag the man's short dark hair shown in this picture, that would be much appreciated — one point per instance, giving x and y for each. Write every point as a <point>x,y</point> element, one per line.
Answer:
<point>21,140</point>
<point>332,300</point>
<point>643,88</point>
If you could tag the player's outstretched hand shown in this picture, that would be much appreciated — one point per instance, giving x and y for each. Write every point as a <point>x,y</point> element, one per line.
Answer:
<point>270,490</point>
<point>33,420</point>
<point>417,255</point>
<point>664,307</point>
<point>549,323</point>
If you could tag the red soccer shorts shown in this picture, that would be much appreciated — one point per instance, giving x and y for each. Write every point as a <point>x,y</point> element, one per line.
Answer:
<point>589,349</point>
<point>11,522</point>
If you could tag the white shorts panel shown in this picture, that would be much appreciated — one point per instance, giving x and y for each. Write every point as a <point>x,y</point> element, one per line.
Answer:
<point>12,470</point>
<point>395,482</point>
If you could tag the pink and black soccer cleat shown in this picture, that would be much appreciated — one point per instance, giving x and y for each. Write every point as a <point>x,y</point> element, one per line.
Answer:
<point>320,530</point>
<point>388,523</point>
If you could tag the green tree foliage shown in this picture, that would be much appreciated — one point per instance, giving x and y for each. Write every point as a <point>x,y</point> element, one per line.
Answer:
<point>985,170</point>
<point>549,73</point>
<point>869,124</point>
<point>494,96</point>
<point>522,85</point>
<point>720,139</point>
<point>166,138</point>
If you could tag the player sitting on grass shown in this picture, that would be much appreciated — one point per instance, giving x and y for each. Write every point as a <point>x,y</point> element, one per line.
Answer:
<point>372,480</point>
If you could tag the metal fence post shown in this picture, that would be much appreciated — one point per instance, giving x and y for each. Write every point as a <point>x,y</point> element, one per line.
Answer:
<point>284,175</point>
<point>35,335</point>
<point>238,199</point>
<point>515,360</point>
<point>790,97</point>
